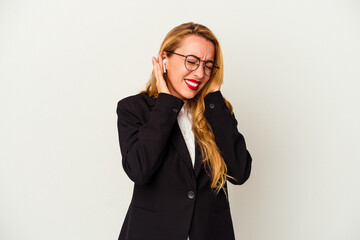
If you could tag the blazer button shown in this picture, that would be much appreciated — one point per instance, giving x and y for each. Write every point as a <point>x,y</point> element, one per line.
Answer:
<point>175,110</point>
<point>211,105</point>
<point>191,194</point>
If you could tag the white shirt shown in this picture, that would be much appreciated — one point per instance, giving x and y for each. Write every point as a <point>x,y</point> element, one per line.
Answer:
<point>184,119</point>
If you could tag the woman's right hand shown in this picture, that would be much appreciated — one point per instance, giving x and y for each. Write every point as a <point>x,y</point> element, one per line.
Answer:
<point>158,71</point>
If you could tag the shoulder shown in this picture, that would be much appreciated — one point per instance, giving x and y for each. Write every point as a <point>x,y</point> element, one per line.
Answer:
<point>138,100</point>
<point>138,105</point>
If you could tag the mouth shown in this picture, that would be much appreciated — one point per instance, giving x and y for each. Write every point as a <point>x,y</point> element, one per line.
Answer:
<point>192,83</point>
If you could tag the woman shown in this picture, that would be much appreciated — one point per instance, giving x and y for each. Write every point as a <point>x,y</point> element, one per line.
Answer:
<point>179,142</point>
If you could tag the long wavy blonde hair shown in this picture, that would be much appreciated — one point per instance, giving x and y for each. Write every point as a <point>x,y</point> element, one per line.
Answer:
<point>213,161</point>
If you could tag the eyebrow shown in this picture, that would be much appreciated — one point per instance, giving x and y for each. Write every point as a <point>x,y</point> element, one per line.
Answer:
<point>200,58</point>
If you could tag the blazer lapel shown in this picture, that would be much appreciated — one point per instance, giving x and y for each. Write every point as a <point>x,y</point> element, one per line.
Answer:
<point>178,141</point>
<point>180,145</point>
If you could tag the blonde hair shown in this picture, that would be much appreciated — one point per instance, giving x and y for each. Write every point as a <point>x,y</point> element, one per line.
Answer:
<point>213,161</point>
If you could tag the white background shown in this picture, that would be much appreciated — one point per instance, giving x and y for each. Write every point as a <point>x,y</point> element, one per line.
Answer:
<point>292,72</point>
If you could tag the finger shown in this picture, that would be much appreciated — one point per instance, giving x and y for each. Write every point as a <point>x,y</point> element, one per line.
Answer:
<point>161,62</point>
<point>158,75</point>
<point>153,61</point>
<point>159,69</point>
<point>156,71</point>
<point>156,65</point>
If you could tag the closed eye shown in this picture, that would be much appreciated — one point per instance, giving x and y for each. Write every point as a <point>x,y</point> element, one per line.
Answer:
<point>192,62</point>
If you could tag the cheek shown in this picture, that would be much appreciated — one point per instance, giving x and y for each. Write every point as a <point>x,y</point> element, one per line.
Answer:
<point>177,74</point>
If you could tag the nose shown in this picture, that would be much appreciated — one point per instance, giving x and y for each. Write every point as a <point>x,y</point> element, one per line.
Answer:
<point>199,72</point>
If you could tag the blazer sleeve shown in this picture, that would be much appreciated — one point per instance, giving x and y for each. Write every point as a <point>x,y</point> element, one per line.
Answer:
<point>143,144</point>
<point>227,137</point>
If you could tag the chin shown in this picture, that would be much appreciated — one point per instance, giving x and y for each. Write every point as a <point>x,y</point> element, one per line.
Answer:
<point>189,95</point>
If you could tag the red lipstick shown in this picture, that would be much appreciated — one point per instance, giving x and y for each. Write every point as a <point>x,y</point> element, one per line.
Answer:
<point>192,83</point>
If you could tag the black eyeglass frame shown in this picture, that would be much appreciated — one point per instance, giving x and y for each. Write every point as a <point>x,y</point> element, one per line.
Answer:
<point>186,56</point>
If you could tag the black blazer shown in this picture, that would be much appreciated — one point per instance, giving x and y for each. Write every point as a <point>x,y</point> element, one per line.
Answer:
<point>171,198</point>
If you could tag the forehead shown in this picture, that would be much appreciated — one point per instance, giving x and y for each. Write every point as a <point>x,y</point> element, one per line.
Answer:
<point>198,46</point>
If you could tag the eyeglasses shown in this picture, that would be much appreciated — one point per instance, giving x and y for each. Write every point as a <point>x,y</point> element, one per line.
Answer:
<point>193,62</point>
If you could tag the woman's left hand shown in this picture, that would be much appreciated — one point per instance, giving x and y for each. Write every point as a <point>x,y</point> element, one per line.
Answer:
<point>217,88</point>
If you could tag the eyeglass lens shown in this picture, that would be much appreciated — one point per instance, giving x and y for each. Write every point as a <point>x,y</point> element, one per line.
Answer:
<point>192,63</point>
